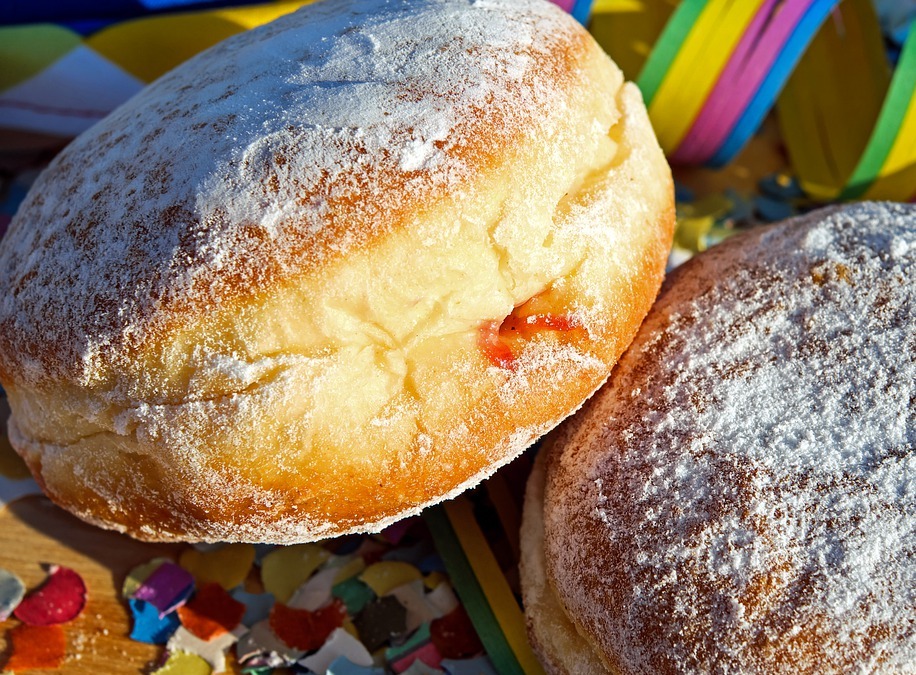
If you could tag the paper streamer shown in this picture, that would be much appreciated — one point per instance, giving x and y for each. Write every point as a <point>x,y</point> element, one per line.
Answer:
<point>470,592</point>
<point>718,67</point>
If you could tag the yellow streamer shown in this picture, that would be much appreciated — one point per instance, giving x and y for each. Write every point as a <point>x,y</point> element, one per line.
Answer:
<point>492,583</point>
<point>897,178</point>
<point>687,84</point>
<point>149,47</point>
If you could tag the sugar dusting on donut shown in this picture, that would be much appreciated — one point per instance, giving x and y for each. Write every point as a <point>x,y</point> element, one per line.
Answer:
<point>742,497</point>
<point>352,116</point>
<point>246,306</point>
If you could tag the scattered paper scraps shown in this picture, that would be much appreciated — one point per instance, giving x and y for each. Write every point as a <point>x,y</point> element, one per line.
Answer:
<point>454,635</point>
<point>36,647</point>
<point>385,576</point>
<point>339,644</point>
<point>212,651</point>
<point>182,663</point>
<point>227,565</point>
<point>419,647</point>
<point>168,587</point>
<point>479,665</point>
<point>343,666</point>
<point>380,621</point>
<point>148,625</point>
<point>61,598</point>
<point>12,590</point>
<point>285,569</point>
<point>257,605</point>
<point>366,606</point>
<point>138,575</point>
<point>305,630</point>
<point>211,612</point>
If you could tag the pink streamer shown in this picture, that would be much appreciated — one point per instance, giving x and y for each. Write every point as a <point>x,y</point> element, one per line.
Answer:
<point>740,79</point>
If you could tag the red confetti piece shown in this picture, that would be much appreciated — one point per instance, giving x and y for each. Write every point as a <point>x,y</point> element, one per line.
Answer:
<point>59,599</point>
<point>36,647</point>
<point>305,630</point>
<point>211,612</point>
<point>427,654</point>
<point>454,635</point>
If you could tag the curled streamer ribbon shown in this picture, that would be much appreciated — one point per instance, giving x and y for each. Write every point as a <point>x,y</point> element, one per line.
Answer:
<point>718,67</point>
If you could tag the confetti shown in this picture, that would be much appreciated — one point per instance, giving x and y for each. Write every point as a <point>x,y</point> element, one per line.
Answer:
<point>285,569</point>
<point>167,587</point>
<point>418,667</point>
<point>12,591</point>
<point>443,598</point>
<point>380,621</point>
<point>418,647</point>
<point>36,647</point>
<point>480,665</point>
<point>212,651</point>
<point>454,635</point>
<point>415,601</point>
<point>59,599</point>
<point>227,566</point>
<point>343,666</point>
<point>302,629</point>
<point>354,594</point>
<point>257,605</point>
<point>182,663</point>
<point>148,626</point>
<point>314,593</point>
<point>138,575</point>
<point>211,612</point>
<point>261,641</point>
<point>339,644</point>
<point>350,569</point>
<point>383,577</point>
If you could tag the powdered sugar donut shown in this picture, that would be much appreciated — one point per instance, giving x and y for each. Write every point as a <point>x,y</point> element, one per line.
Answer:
<point>741,496</point>
<point>330,271</point>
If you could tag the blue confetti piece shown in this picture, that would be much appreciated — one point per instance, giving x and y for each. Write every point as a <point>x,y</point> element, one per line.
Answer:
<point>780,186</point>
<point>344,666</point>
<point>742,208</point>
<point>771,210</point>
<point>431,563</point>
<point>683,194</point>
<point>257,605</point>
<point>479,665</point>
<point>148,627</point>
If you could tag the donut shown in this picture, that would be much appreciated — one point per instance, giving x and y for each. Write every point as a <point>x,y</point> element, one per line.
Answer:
<point>740,497</point>
<point>330,271</point>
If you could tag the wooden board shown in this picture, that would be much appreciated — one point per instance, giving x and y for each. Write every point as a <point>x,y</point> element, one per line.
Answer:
<point>34,532</point>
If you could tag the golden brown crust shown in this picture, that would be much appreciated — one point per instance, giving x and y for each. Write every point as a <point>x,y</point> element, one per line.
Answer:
<point>344,388</point>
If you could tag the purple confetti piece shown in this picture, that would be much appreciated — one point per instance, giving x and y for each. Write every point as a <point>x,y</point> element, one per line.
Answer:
<point>167,588</point>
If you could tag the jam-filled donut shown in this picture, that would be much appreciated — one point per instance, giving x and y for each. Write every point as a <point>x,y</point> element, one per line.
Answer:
<point>331,270</point>
<point>741,496</point>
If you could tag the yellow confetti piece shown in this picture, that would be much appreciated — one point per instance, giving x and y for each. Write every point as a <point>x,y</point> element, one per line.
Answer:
<point>227,566</point>
<point>691,232</point>
<point>285,569</point>
<point>433,579</point>
<point>387,575</point>
<point>138,575</point>
<point>351,569</point>
<point>181,663</point>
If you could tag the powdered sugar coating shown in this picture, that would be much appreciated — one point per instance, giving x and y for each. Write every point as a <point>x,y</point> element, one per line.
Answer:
<point>341,119</point>
<point>742,496</point>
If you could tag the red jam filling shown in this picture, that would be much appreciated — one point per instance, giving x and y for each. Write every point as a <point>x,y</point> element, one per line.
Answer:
<point>494,336</point>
